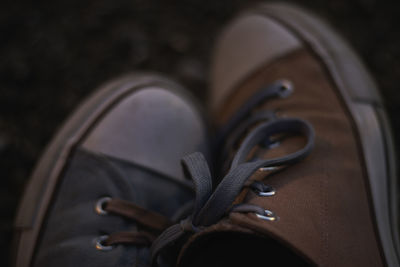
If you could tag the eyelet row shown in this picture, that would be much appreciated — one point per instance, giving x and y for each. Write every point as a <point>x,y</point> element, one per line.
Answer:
<point>99,208</point>
<point>267,191</point>
<point>285,90</point>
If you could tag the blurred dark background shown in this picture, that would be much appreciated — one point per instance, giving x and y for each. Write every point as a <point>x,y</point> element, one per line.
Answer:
<point>54,53</point>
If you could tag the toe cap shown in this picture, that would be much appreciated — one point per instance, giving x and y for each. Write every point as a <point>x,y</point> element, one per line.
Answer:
<point>152,127</point>
<point>249,42</point>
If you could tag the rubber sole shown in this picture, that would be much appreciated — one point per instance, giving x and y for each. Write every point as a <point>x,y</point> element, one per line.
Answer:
<point>48,172</point>
<point>364,103</point>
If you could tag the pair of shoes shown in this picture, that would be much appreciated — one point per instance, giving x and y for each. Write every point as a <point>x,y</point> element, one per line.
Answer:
<point>305,169</point>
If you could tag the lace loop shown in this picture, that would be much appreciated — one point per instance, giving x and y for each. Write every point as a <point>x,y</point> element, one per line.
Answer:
<point>240,171</point>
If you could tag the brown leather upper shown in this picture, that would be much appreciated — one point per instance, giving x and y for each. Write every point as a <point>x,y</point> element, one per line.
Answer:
<point>322,202</point>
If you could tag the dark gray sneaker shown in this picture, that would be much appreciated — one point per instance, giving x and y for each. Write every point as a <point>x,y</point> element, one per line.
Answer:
<point>110,182</point>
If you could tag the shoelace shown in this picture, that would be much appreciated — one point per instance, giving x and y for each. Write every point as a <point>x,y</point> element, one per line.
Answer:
<point>210,206</point>
<point>151,223</point>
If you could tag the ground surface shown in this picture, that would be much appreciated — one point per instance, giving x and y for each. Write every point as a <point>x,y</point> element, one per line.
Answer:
<point>54,53</point>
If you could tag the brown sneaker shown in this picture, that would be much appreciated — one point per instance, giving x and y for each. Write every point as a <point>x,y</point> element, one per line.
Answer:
<point>335,207</point>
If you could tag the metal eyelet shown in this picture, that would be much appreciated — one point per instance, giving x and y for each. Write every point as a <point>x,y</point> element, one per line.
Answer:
<point>99,243</point>
<point>274,144</point>
<point>99,207</point>
<point>266,169</point>
<point>267,192</point>
<point>286,88</point>
<point>267,216</point>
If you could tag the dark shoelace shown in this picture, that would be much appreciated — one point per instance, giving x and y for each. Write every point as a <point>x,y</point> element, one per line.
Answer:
<point>151,223</point>
<point>210,206</point>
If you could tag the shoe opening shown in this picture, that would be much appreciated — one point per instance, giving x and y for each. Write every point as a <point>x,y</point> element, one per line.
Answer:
<point>239,249</point>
